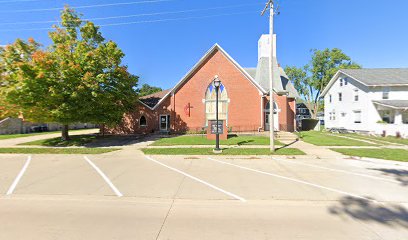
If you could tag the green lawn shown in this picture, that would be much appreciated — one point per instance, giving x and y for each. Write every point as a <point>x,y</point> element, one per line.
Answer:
<point>76,140</point>
<point>202,140</point>
<point>10,136</point>
<point>381,153</point>
<point>227,151</point>
<point>58,150</point>
<point>325,139</point>
<point>378,139</point>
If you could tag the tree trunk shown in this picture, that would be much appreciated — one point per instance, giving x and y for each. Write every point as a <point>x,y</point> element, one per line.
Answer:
<point>64,133</point>
<point>103,130</point>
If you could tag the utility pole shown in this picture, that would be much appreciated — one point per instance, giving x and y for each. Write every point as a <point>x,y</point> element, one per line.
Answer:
<point>270,6</point>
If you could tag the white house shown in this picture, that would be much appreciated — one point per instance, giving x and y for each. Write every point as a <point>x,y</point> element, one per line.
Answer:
<point>368,100</point>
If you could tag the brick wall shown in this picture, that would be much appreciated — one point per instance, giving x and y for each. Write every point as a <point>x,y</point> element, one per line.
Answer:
<point>245,112</point>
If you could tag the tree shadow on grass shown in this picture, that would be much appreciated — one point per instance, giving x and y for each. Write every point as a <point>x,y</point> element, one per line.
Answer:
<point>244,142</point>
<point>391,215</point>
<point>400,175</point>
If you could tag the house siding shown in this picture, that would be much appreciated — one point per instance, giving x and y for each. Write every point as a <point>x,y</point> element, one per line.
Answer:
<point>344,110</point>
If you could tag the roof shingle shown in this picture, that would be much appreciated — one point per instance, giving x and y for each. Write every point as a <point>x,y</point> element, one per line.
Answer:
<point>379,76</point>
<point>152,99</point>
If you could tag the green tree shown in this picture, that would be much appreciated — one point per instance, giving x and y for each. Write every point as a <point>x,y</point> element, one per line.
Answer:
<point>78,78</point>
<point>13,58</point>
<point>311,79</point>
<point>146,89</point>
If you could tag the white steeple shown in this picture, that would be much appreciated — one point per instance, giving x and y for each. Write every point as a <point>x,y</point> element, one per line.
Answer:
<point>263,46</point>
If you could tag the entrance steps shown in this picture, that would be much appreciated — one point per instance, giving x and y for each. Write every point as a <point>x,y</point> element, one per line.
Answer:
<point>286,136</point>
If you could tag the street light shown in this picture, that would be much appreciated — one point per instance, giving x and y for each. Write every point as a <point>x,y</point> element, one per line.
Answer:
<point>217,84</point>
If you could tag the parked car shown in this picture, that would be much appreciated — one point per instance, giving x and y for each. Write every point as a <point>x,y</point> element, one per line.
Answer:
<point>41,128</point>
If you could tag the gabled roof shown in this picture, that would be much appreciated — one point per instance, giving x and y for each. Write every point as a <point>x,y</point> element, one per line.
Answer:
<point>379,76</point>
<point>151,100</point>
<point>373,77</point>
<point>198,64</point>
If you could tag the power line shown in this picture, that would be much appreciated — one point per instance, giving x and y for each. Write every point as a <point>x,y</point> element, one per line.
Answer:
<point>18,1</point>
<point>136,15</point>
<point>139,22</point>
<point>86,6</point>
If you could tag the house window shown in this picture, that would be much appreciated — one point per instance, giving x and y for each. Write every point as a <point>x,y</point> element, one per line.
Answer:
<point>356,98</point>
<point>341,82</point>
<point>345,81</point>
<point>330,98</point>
<point>333,115</point>
<point>386,93</point>
<point>142,121</point>
<point>340,97</point>
<point>357,116</point>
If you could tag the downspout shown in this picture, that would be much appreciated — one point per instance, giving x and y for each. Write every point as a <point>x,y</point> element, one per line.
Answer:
<point>262,114</point>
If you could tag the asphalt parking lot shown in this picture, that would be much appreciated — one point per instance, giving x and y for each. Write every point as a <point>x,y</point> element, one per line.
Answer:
<point>126,195</point>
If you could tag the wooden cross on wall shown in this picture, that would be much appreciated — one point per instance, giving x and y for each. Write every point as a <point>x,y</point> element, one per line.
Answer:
<point>187,109</point>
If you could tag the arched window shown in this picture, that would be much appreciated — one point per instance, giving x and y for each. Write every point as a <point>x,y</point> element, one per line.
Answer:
<point>142,121</point>
<point>275,107</point>
<point>210,103</point>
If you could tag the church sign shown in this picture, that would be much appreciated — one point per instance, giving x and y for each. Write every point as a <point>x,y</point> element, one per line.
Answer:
<point>214,127</point>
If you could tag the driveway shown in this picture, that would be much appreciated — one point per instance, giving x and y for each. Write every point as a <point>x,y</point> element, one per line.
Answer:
<point>127,195</point>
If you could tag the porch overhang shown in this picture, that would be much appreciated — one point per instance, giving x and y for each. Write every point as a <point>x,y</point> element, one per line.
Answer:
<point>393,104</point>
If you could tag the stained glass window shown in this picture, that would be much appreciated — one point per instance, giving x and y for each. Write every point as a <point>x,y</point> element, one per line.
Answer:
<point>210,103</point>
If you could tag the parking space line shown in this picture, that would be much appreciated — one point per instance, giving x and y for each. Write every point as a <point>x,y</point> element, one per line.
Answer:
<point>19,176</point>
<point>337,170</point>
<point>115,190</point>
<point>295,180</point>
<point>198,180</point>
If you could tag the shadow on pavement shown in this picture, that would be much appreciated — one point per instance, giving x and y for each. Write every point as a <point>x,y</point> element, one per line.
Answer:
<point>392,215</point>
<point>288,145</point>
<point>400,175</point>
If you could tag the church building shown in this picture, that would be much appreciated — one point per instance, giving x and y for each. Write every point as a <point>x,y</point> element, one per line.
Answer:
<point>243,98</point>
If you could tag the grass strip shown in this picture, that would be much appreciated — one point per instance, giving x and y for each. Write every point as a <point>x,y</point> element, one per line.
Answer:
<point>379,139</point>
<point>380,153</point>
<point>226,151</point>
<point>202,140</point>
<point>58,150</point>
<point>324,139</point>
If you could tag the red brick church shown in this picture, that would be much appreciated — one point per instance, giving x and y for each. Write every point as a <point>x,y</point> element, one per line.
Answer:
<point>243,98</point>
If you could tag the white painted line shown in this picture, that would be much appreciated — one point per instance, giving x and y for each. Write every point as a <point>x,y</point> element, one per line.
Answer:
<point>115,190</point>
<point>198,180</point>
<point>19,176</point>
<point>296,180</point>
<point>337,170</point>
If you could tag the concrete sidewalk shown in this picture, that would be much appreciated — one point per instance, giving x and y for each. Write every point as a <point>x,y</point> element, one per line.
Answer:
<point>315,151</point>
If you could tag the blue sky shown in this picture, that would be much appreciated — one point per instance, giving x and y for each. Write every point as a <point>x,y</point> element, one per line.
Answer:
<point>374,33</point>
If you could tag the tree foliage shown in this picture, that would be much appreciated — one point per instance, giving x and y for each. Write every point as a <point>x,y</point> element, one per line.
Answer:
<point>78,78</point>
<point>146,89</point>
<point>311,79</point>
